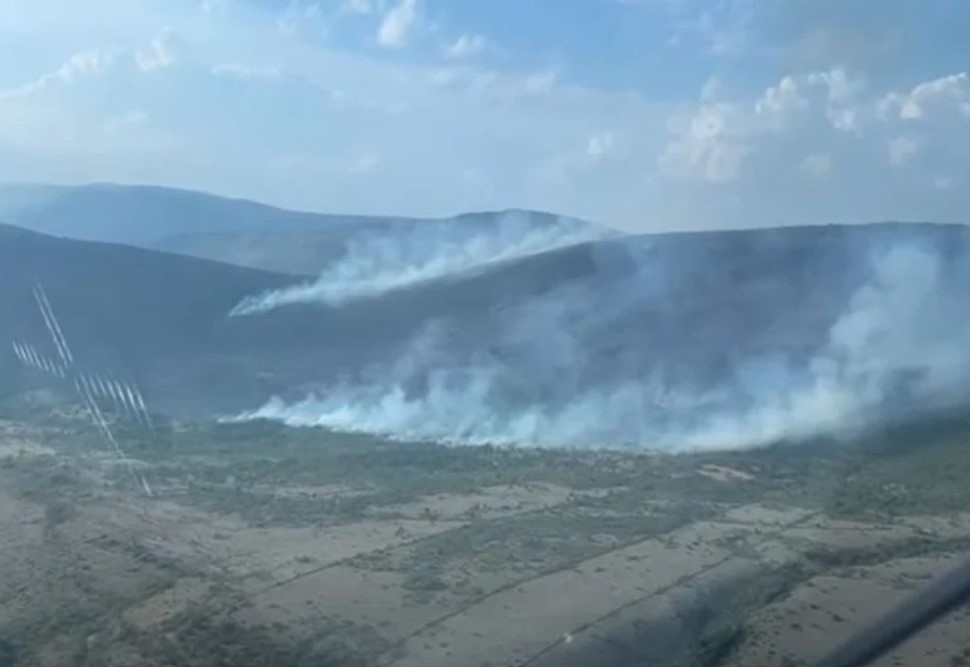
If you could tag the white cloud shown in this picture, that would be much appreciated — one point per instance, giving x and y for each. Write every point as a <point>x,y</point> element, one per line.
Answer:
<point>720,28</point>
<point>82,64</point>
<point>902,149</point>
<point>816,165</point>
<point>914,105</point>
<point>712,90</point>
<point>791,122</point>
<point>297,15</point>
<point>795,94</point>
<point>465,46</point>
<point>705,147</point>
<point>160,53</point>
<point>781,99</point>
<point>842,119</point>
<point>601,146</point>
<point>397,24</point>
<point>842,88</point>
<point>728,158</point>
<point>886,170</point>
<point>842,93</point>
<point>86,62</point>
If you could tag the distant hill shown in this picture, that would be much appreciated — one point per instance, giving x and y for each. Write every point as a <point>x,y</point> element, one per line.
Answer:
<point>237,231</point>
<point>137,313</point>
<point>145,214</point>
<point>15,198</point>
<point>663,338</point>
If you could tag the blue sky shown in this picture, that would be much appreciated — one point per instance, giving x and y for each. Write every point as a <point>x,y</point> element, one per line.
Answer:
<point>644,114</point>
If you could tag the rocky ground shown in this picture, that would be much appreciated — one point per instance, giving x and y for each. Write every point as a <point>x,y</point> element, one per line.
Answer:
<point>261,545</point>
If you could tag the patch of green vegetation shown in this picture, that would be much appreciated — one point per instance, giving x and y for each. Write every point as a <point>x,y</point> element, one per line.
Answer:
<point>267,453</point>
<point>531,544</point>
<point>43,478</point>
<point>56,512</point>
<point>8,653</point>
<point>915,466</point>
<point>198,459</point>
<point>197,638</point>
<point>723,632</point>
<point>714,647</point>
<point>827,558</point>
<point>267,509</point>
<point>776,585</point>
<point>905,475</point>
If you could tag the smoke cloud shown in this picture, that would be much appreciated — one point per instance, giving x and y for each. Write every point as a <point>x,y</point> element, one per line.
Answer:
<point>383,260</point>
<point>568,369</point>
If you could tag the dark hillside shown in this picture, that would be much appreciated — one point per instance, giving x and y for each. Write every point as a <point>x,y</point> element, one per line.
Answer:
<point>743,312</point>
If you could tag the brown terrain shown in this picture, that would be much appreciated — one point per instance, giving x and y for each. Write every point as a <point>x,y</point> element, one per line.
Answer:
<point>261,545</point>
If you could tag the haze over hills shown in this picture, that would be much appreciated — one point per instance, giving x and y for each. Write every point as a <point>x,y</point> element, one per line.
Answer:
<point>261,236</point>
<point>144,215</point>
<point>699,340</point>
<point>674,341</point>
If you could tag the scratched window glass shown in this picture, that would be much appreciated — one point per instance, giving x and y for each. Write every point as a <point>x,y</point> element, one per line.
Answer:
<point>416,333</point>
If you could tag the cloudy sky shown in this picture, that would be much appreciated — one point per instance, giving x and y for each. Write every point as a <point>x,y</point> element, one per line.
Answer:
<point>644,114</point>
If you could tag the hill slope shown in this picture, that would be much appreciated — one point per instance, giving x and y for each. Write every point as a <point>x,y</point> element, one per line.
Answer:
<point>679,340</point>
<point>248,233</point>
<point>145,214</point>
<point>153,316</point>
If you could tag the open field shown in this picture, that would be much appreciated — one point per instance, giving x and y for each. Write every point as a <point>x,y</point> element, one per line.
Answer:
<point>263,545</point>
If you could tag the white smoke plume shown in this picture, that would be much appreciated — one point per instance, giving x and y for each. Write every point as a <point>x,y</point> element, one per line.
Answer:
<point>900,344</point>
<point>381,261</point>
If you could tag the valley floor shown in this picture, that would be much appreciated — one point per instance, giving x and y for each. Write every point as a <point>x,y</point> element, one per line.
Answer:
<point>267,546</point>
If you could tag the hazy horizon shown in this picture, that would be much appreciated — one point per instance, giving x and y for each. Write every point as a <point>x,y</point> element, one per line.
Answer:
<point>738,114</point>
<point>448,215</point>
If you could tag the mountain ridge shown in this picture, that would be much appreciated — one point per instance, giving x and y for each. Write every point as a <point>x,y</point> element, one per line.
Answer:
<point>603,329</point>
<point>249,233</point>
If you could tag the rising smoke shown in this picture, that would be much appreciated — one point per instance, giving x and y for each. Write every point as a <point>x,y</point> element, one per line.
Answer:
<point>613,363</point>
<point>379,261</point>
